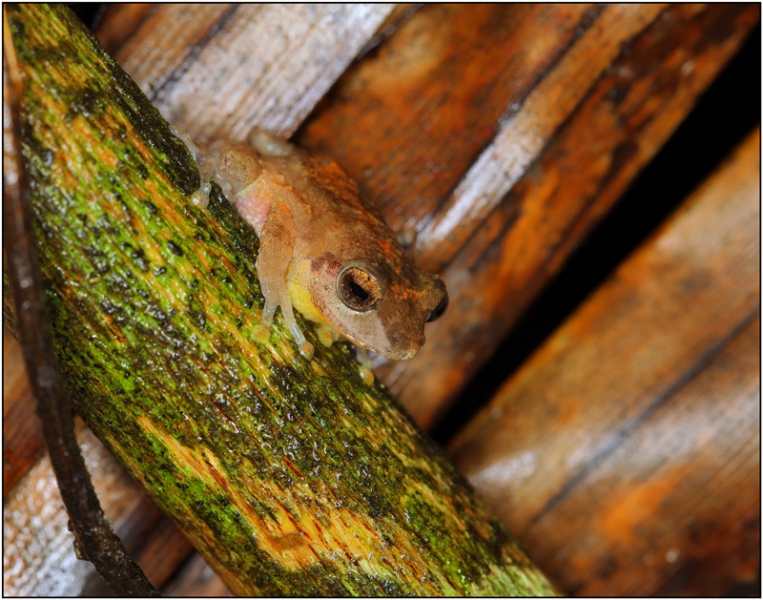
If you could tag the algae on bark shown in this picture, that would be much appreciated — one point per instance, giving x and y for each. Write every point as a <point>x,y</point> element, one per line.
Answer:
<point>291,477</point>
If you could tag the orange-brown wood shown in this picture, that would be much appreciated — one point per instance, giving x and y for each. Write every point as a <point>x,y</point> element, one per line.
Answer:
<point>420,117</point>
<point>617,128</point>
<point>625,453</point>
<point>119,22</point>
<point>22,437</point>
<point>409,120</point>
<point>196,578</point>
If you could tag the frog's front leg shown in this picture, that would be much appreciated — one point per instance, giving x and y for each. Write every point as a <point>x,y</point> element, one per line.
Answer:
<point>277,242</point>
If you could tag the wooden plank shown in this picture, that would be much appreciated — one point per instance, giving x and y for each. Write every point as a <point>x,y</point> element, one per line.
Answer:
<point>195,579</point>
<point>119,22</point>
<point>626,451</point>
<point>217,70</point>
<point>37,545</point>
<point>22,437</point>
<point>409,120</point>
<point>618,127</point>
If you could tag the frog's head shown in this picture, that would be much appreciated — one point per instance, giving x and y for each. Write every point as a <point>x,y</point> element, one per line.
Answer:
<point>360,281</point>
<point>380,303</point>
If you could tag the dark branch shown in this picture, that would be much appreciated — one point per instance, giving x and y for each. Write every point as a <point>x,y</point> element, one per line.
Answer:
<point>96,539</point>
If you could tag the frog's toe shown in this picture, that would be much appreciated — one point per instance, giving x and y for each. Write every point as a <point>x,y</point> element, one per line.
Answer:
<point>261,333</point>
<point>307,350</point>
<point>326,335</point>
<point>366,375</point>
<point>267,144</point>
<point>200,198</point>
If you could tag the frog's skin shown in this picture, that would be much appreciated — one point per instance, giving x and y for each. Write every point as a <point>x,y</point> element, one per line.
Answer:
<point>324,249</point>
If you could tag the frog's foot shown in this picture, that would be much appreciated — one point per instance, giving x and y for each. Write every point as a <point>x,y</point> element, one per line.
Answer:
<point>306,349</point>
<point>267,144</point>
<point>361,355</point>
<point>366,375</point>
<point>261,331</point>
<point>205,164</point>
<point>201,196</point>
<point>327,335</point>
<point>186,139</point>
<point>365,367</point>
<point>261,334</point>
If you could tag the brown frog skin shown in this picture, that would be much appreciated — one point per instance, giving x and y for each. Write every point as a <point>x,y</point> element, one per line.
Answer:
<point>324,249</point>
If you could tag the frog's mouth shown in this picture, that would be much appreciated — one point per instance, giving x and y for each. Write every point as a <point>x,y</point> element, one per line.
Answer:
<point>369,331</point>
<point>394,341</point>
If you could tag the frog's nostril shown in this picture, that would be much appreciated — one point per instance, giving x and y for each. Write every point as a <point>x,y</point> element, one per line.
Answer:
<point>439,309</point>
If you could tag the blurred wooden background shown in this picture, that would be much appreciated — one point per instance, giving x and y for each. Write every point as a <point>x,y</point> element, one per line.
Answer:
<point>525,153</point>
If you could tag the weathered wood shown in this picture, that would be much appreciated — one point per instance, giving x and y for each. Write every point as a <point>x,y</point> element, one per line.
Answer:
<point>34,568</point>
<point>218,70</point>
<point>621,122</point>
<point>452,76</point>
<point>22,437</point>
<point>196,578</point>
<point>38,557</point>
<point>627,449</point>
<point>291,477</point>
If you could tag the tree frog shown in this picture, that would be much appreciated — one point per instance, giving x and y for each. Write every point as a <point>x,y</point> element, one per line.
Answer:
<point>324,248</point>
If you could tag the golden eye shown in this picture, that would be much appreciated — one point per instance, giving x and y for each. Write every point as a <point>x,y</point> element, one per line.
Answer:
<point>439,309</point>
<point>358,289</point>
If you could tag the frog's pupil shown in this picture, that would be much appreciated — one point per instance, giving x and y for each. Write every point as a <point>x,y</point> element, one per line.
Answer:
<point>358,291</point>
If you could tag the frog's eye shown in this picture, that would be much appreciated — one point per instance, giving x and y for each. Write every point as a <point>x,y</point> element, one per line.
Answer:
<point>439,309</point>
<point>358,289</point>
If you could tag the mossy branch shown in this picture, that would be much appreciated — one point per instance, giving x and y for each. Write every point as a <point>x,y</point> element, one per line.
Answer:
<point>292,477</point>
<point>95,539</point>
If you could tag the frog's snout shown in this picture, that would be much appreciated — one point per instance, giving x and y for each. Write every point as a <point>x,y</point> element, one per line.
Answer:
<point>403,351</point>
<point>406,336</point>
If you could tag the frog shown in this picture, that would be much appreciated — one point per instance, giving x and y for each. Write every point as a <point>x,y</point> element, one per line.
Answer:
<point>324,248</point>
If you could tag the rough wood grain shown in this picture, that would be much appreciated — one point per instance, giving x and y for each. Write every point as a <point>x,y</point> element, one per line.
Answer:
<point>196,578</point>
<point>22,437</point>
<point>217,70</point>
<point>38,556</point>
<point>626,451</point>
<point>621,123</point>
<point>410,119</point>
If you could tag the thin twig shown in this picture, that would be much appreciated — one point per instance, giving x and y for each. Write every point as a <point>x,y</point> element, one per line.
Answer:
<point>94,536</point>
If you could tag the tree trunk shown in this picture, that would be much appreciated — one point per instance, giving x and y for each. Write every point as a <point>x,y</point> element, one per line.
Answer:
<point>291,477</point>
